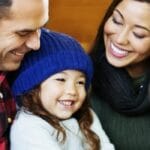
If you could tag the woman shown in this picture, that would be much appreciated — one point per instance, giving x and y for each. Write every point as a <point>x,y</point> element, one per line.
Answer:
<point>121,85</point>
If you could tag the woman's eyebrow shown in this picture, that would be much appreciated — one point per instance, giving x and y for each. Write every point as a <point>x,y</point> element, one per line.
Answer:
<point>119,13</point>
<point>136,25</point>
<point>142,27</point>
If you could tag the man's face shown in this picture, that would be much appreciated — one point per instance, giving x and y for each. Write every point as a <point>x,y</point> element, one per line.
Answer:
<point>20,32</point>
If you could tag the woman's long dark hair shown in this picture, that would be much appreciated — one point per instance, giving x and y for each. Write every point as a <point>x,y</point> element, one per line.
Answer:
<point>98,46</point>
<point>31,101</point>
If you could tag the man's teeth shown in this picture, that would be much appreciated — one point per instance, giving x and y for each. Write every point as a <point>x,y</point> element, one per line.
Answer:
<point>17,53</point>
<point>66,103</point>
<point>118,51</point>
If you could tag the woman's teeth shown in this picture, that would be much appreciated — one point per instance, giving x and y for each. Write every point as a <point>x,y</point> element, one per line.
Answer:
<point>118,52</point>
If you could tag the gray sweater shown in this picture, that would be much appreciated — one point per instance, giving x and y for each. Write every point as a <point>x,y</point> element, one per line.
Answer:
<point>30,132</point>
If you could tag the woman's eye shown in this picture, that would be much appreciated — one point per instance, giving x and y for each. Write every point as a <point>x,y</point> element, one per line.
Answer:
<point>138,35</point>
<point>116,21</point>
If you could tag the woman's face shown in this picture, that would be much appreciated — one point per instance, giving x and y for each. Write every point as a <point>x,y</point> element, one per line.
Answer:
<point>127,34</point>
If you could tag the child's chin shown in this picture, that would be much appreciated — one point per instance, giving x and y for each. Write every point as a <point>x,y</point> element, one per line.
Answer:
<point>64,117</point>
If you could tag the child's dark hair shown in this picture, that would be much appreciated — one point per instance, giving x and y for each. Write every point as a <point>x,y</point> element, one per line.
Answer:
<point>31,101</point>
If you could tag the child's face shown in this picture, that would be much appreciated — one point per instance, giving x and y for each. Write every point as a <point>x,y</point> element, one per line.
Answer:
<point>63,93</point>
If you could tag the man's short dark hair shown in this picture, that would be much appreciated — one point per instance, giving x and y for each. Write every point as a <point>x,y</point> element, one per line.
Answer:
<point>4,7</point>
<point>5,3</point>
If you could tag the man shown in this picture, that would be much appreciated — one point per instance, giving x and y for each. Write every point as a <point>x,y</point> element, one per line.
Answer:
<point>20,23</point>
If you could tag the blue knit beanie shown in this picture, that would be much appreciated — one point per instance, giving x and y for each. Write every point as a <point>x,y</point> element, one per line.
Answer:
<point>58,52</point>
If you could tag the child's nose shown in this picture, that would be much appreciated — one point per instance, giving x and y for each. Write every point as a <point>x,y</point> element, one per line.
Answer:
<point>71,89</point>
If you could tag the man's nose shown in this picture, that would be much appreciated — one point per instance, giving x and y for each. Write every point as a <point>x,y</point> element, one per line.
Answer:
<point>33,41</point>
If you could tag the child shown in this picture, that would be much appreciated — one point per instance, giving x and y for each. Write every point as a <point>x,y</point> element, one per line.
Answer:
<point>52,84</point>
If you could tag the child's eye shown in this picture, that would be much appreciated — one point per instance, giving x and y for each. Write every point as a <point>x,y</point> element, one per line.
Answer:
<point>60,79</point>
<point>81,82</point>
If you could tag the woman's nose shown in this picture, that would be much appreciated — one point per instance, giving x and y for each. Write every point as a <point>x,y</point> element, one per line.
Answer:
<point>122,37</point>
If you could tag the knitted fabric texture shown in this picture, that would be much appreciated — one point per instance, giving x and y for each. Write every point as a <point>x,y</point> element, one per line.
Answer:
<point>58,52</point>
